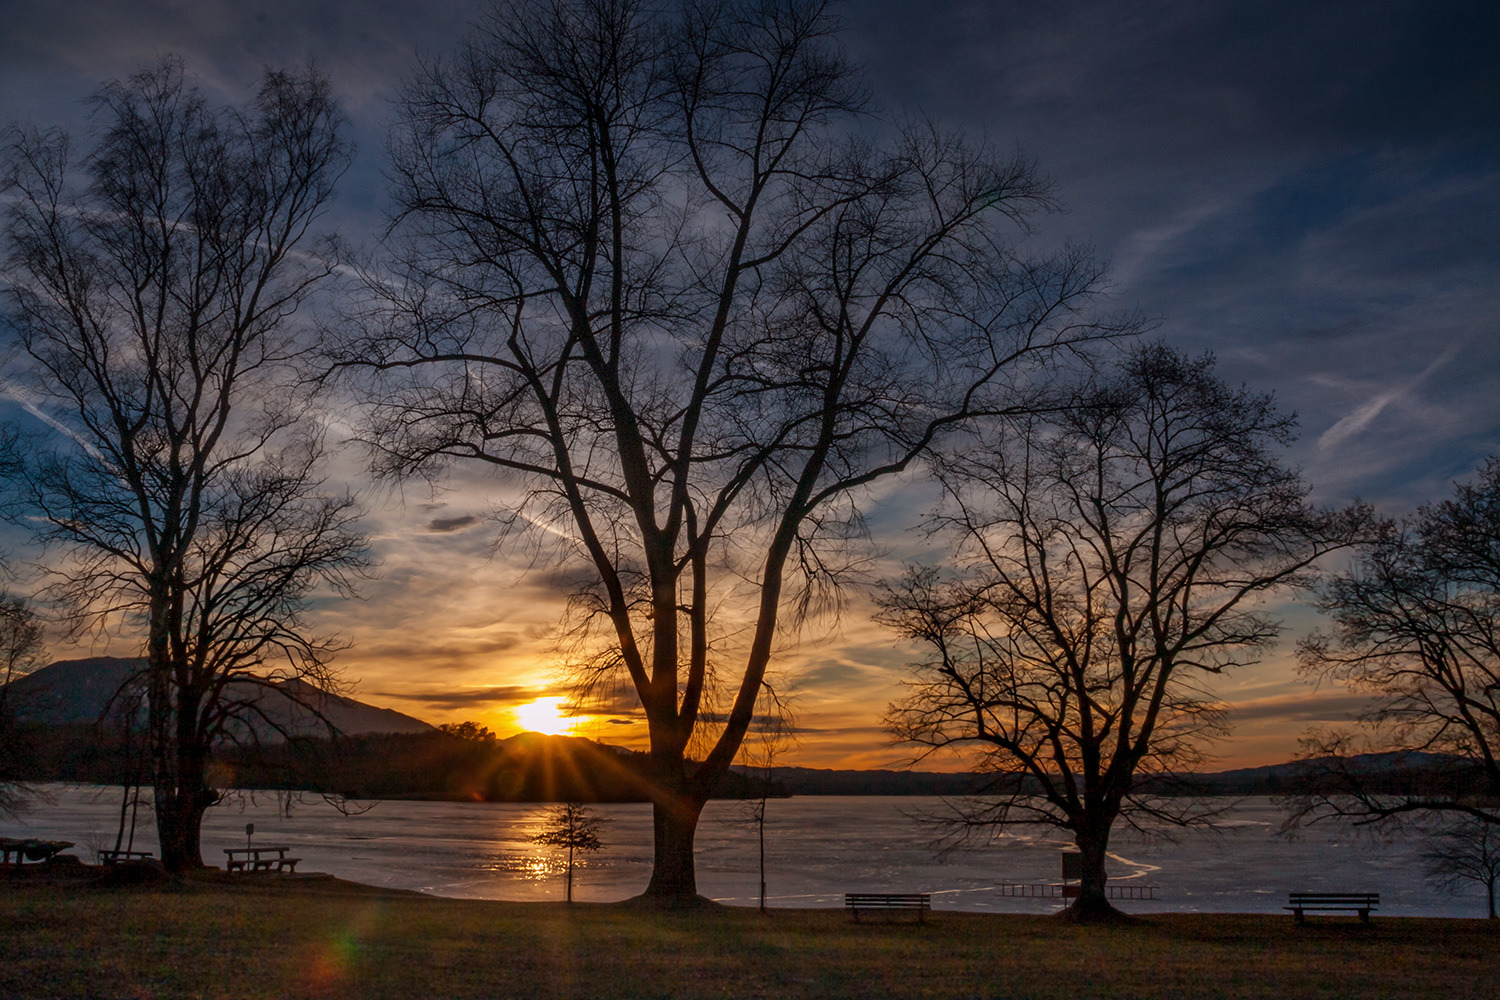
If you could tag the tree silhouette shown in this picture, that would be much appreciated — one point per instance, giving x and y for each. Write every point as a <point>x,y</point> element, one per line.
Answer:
<point>1416,625</point>
<point>20,647</point>
<point>658,269</point>
<point>572,826</point>
<point>1467,852</point>
<point>771,734</point>
<point>152,286</point>
<point>1106,559</point>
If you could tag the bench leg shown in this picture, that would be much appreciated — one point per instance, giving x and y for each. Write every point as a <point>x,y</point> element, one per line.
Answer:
<point>1297,916</point>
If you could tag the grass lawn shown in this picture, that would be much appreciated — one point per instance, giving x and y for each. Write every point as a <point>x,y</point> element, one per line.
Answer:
<point>279,937</point>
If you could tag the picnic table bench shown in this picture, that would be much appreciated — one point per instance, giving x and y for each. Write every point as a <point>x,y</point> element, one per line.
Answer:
<point>112,858</point>
<point>29,849</point>
<point>1351,902</point>
<point>260,859</point>
<point>919,903</point>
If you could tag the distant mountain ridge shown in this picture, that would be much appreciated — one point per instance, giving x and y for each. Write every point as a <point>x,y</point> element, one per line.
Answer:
<point>73,693</point>
<point>77,692</point>
<point>1270,779</point>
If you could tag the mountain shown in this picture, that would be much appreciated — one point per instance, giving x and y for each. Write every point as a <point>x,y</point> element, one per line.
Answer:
<point>70,692</point>
<point>77,692</point>
<point>1391,772</point>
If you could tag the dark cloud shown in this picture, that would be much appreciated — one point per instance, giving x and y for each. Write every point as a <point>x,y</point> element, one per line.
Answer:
<point>421,648</point>
<point>1262,174</point>
<point>762,723</point>
<point>620,701</point>
<point>1321,707</point>
<point>509,694</point>
<point>442,525</point>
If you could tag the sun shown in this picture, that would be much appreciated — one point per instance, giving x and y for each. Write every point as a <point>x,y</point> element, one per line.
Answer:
<point>543,716</point>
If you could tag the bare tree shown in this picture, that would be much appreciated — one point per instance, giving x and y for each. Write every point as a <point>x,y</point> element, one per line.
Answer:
<point>1106,560</point>
<point>20,647</point>
<point>572,826</point>
<point>656,265</point>
<point>771,734</point>
<point>1466,852</point>
<point>1416,625</point>
<point>152,285</point>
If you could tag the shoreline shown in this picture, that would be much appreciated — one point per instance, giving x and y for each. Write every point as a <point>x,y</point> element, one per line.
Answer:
<point>815,853</point>
<point>79,874</point>
<point>265,935</point>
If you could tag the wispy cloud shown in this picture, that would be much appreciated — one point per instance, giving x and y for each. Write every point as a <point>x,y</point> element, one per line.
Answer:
<point>1365,414</point>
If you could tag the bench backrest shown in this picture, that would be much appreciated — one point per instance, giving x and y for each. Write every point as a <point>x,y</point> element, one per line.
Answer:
<point>1334,898</point>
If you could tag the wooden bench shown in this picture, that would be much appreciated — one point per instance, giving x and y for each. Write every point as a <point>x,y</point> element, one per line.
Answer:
<point>919,903</point>
<point>260,859</point>
<point>112,858</point>
<point>1349,902</point>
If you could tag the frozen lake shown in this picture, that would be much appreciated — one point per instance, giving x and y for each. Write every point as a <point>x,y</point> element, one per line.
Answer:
<point>817,848</point>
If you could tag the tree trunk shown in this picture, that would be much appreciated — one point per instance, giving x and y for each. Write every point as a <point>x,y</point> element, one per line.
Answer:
<point>159,736</point>
<point>675,824</point>
<point>1491,886</point>
<point>1092,904</point>
<point>675,810</point>
<point>179,812</point>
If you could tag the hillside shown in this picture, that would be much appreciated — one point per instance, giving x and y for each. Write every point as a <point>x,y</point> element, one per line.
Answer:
<point>77,692</point>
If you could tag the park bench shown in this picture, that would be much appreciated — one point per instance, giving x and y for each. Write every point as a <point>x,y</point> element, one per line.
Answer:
<point>260,859</point>
<point>28,849</point>
<point>1350,902</point>
<point>919,903</point>
<point>112,858</point>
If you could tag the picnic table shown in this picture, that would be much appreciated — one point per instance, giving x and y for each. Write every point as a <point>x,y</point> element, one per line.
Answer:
<point>28,849</point>
<point>260,859</point>
<point>112,858</point>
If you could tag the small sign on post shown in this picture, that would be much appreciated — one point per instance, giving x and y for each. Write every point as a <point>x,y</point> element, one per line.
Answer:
<point>249,832</point>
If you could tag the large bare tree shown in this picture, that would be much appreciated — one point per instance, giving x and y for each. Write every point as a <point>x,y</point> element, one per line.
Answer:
<point>153,285</point>
<point>656,265</point>
<point>1416,626</point>
<point>1107,559</point>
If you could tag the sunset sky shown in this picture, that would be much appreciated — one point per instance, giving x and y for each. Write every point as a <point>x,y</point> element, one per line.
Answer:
<point>1309,190</point>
